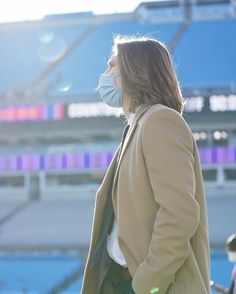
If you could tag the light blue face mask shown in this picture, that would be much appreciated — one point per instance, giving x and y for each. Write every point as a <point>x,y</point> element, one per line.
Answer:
<point>109,92</point>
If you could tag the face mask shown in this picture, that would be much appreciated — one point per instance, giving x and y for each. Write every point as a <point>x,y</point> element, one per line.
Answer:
<point>109,92</point>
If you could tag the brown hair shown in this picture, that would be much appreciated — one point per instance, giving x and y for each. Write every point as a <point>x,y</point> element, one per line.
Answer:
<point>147,72</point>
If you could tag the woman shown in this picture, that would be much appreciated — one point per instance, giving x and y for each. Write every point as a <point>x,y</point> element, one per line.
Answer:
<point>157,241</point>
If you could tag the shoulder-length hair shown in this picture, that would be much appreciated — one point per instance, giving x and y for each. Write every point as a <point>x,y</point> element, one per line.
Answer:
<point>147,72</point>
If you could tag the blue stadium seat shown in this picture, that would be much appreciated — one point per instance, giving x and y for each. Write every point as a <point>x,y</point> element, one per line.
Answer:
<point>51,269</point>
<point>206,54</point>
<point>26,52</point>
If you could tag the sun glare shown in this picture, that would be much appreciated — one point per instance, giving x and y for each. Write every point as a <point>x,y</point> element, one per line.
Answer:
<point>13,10</point>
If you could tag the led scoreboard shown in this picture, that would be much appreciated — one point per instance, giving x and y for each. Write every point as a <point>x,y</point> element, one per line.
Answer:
<point>76,110</point>
<point>43,112</point>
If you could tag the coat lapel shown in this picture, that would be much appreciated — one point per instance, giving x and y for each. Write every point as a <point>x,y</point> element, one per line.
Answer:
<point>128,138</point>
<point>107,180</point>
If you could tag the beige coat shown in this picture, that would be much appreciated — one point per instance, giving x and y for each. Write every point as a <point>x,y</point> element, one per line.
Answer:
<point>160,207</point>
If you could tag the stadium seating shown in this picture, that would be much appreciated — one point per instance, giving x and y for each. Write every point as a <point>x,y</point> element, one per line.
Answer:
<point>51,269</point>
<point>204,42</point>
<point>83,67</point>
<point>211,45</point>
<point>26,52</point>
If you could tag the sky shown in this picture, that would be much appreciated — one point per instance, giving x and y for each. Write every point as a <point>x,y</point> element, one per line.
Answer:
<point>16,10</point>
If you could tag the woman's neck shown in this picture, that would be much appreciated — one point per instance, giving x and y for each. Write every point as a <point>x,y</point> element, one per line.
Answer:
<point>125,106</point>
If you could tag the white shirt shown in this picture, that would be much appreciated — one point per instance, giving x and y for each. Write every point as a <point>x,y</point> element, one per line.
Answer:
<point>113,247</point>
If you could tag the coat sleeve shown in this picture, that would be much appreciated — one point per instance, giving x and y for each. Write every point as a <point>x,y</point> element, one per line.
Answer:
<point>168,152</point>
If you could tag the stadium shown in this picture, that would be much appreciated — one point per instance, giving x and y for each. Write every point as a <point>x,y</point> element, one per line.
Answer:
<point>57,137</point>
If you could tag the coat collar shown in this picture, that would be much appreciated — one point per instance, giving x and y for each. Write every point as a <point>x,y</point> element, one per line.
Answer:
<point>132,128</point>
<point>130,133</point>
